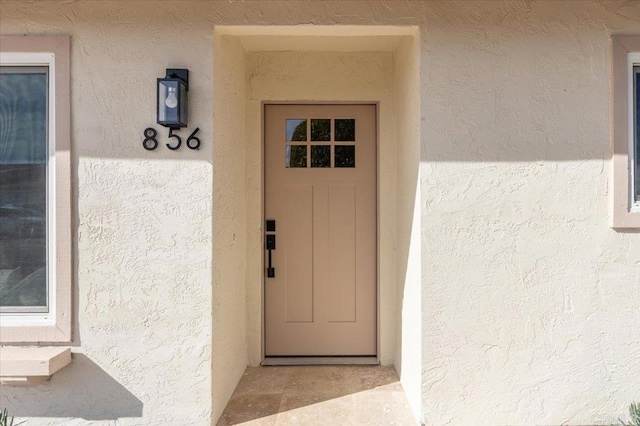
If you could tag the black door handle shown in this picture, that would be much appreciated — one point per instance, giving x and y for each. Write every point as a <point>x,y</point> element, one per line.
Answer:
<point>271,245</point>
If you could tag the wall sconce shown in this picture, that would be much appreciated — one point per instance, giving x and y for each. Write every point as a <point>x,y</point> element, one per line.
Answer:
<point>173,98</point>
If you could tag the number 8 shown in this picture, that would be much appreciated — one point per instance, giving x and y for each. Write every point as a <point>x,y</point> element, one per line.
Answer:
<point>150,135</point>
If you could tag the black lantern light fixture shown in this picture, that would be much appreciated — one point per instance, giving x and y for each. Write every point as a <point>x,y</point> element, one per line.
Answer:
<point>173,98</point>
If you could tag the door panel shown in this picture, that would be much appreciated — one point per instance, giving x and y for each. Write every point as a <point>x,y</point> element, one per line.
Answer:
<point>298,234</point>
<point>342,253</point>
<point>320,188</point>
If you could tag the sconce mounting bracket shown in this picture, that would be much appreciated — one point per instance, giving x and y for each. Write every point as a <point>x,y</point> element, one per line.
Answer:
<point>181,73</point>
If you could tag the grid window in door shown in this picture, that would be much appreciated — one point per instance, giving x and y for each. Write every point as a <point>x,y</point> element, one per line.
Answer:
<point>330,143</point>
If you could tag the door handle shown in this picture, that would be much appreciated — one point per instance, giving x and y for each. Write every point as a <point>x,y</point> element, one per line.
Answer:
<point>271,245</point>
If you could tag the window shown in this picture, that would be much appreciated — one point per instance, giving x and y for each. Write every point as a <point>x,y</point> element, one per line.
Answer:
<point>635,143</point>
<point>626,131</point>
<point>326,137</point>
<point>35,231</point>
<point>24,171</point>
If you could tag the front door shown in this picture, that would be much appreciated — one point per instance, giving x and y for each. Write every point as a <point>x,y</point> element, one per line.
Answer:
<point>320,207</point>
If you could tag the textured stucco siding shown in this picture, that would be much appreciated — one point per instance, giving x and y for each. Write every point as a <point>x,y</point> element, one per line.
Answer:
<point>529,300</point>
<point>229,355</point>
<point>143,222</point>
<point>408,267</point>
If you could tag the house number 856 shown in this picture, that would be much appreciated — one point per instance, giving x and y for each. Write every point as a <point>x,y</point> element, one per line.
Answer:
<point>150,141</point>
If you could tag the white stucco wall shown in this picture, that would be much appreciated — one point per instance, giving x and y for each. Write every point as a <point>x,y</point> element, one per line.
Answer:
<point>143,266</point>
<point>229,354</point>
<point>408,309</point>
<point>529,300</point>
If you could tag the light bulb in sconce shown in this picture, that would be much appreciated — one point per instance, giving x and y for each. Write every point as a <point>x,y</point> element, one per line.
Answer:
<point>171,101</point>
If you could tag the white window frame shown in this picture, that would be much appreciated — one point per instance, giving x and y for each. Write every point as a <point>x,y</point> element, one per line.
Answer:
<point>625,209</point>
<point>27,60</point>
<point>54,325</point>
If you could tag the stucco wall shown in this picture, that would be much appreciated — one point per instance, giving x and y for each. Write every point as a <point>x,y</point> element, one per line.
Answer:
<point>530,302</point>
<point>408,266</point>
<point>143,288</point>
<point>229,355</point>
<point>529,299</point>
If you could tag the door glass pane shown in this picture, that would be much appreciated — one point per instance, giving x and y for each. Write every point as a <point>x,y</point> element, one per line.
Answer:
<point>23,189</point>
<point>296,130</point>
<point>296,156</point>
<point>320,130</point>
<point>636,72</point>
<point>345,156</point>
<point>321,156</point>
<point>345,130</point>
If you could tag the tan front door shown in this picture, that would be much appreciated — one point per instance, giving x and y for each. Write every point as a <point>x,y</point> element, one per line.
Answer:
<point>320,172</point>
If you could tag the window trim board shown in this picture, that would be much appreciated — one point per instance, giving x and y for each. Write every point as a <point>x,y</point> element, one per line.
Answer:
<point>28,50</point>
<point>625,51</point>
<point>633,61</point>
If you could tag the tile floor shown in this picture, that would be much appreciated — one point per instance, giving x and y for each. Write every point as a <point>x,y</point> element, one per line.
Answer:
<point>318,395</point>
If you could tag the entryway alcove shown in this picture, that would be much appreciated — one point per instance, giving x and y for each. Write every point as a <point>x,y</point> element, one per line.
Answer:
<point>258,65</point>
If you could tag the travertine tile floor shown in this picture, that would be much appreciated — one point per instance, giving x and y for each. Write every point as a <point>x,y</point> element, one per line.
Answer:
<point>318,395</point>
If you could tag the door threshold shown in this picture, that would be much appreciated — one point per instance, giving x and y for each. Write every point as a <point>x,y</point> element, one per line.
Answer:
<point>320,360</point>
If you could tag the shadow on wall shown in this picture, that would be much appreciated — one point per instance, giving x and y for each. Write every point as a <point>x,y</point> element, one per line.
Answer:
<point>82,390</point>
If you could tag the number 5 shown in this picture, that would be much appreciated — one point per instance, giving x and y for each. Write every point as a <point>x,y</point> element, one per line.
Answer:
<point>178,145</point>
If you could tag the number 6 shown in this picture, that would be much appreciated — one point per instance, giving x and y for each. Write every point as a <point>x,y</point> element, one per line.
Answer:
<point>191,137</point>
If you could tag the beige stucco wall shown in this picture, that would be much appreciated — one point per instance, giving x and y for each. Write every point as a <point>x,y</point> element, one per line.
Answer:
<point>143,224</point>
<point>229,351</point>
<point>529,300</point>
<point>408,266</point>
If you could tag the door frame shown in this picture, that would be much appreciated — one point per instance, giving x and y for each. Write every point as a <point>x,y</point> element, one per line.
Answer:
<point>263,105</point>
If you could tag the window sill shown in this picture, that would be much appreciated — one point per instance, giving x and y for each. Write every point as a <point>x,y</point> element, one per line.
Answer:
<point>623,218</point>
<point>31,366</point>
<point>34,333</point>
